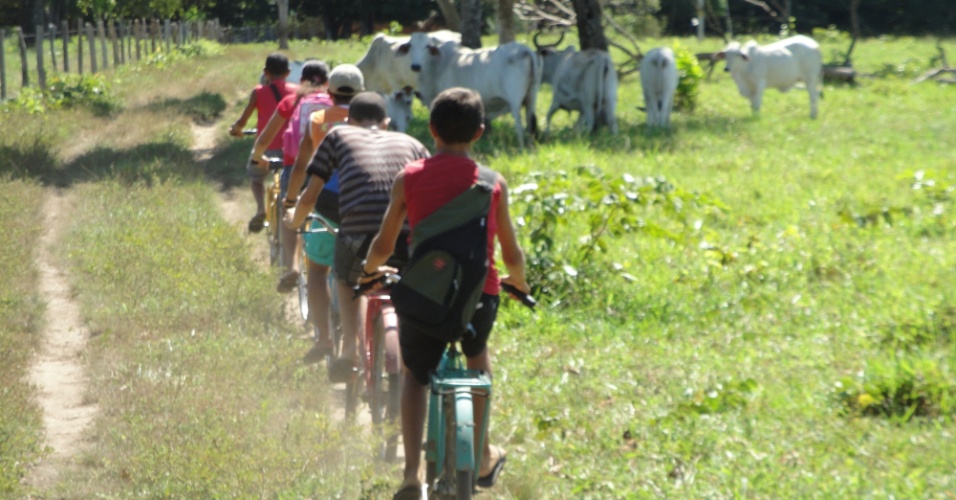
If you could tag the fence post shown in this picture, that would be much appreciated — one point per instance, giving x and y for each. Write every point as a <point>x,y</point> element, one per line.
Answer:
<point>3,67</point>
<point>136,35</point>
<point>53,46</point>
<point>117,55</point>
<point>92,40</point>
<point>79,44</point>
<point>166,34</point>
<point>101,34</point>
<point>66,46</point>
<point>24,74</point>
<point>41,71</point>
<point>152,35</point>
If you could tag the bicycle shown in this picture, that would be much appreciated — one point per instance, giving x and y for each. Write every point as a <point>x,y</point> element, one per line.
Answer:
<point>273,223</point>
<point>452,455</point>
<point>381,370</point>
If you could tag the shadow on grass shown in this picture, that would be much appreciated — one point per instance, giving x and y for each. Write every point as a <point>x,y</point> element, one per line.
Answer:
<point>204,108</point>
<point>145,163</point>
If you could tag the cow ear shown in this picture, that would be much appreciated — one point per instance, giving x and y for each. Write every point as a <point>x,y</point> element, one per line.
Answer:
<point>419,95</point>
<point>403,49</point>
<point>720,56</point>
<point>433,50</point>
<point>745,57</point>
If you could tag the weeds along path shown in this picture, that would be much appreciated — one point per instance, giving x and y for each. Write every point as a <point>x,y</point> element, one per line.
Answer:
<point>58,370</point>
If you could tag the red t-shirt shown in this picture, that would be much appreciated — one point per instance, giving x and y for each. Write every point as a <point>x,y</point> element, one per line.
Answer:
<point>266,104</point>
<point>431,183</point>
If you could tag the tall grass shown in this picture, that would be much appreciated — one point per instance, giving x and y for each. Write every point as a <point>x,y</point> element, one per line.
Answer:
<point>21,321</point>
<point>795,342</point>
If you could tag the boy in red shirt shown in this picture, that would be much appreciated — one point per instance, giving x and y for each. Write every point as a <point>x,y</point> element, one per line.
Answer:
<point>456,122</point>
<point>264,100</point>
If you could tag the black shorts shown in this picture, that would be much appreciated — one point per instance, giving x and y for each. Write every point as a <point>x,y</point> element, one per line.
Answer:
<point>422,352</point>
<point>350,252</point>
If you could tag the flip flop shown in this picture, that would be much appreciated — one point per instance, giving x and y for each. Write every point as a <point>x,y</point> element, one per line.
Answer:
<point>489,480</point>
<point>341,370</point>
<point>257,222</point>
<point>409,492</point>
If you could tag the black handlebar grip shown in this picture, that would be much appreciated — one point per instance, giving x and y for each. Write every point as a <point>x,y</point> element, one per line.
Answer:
<point>525,299</point>
<point>386,280</point>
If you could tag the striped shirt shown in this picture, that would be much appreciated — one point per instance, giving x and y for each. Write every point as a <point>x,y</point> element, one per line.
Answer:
<point>367,161</point>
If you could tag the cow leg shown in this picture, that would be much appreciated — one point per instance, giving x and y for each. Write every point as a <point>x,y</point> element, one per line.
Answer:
<point>814,98</point>
<point>519,130</point>
<point>757,98</point>
<point>551,111</point>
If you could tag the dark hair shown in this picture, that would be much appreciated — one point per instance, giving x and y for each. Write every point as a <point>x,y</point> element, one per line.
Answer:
<point>457,113</point>
<point>367,106</point>
<point>315,72</point>
<point>277,64</point>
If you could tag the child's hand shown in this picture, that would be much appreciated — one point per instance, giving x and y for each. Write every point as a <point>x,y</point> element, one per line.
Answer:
<point>520,284</point>
<point>236,130</point>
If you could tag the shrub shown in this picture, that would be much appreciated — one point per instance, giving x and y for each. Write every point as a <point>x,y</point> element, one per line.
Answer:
<point>905,386</point>
<point>690,74</point>
<point>69,90</point>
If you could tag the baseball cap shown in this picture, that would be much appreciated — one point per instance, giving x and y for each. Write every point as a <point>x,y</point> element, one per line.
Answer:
<point>346,80</point>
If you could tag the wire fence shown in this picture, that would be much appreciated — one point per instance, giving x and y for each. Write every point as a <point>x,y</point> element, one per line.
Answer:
<point>80,46</point>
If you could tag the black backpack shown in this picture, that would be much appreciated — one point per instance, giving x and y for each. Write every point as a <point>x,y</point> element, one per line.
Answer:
<point>441,284</point>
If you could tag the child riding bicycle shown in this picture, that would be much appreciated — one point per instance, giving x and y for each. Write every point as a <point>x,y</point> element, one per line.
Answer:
<point>456,122</point>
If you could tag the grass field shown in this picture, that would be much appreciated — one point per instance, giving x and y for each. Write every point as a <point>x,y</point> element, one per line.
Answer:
<point>741,307</point>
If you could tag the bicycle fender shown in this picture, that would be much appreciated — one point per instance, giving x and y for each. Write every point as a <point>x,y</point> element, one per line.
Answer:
<point>464,431</point>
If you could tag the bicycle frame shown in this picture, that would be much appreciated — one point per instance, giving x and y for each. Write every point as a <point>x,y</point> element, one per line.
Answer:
<point>453,387</point>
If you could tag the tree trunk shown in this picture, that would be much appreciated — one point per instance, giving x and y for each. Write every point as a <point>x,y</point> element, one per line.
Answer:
<point>471,23</point>
<point>854,18</point>
<point>590,29</point>
<point>450,13</point>
<point>283,24</point>
<point>506,21</point>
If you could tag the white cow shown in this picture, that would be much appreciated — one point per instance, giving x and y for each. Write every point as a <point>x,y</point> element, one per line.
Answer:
<point>583,81</point>
<point>385,65</point>
<point>506,77</point>
<point>781,64</point>
<point>399,107</point>
<point>659,82</point>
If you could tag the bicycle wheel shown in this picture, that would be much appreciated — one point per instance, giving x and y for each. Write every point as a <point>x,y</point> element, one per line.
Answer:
<point>273,225</point>
<point>303,286</point>
<point>374,379</point>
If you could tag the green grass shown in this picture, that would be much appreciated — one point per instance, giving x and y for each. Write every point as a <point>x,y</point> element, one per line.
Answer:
<point>21,320</point>
<point>794,341</point>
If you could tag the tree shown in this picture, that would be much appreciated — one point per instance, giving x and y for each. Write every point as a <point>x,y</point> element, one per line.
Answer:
<point>471,23</point>
<point>450,13</point>
<point>283,24</point>
<point>590,27</point>
<point>506,21</point>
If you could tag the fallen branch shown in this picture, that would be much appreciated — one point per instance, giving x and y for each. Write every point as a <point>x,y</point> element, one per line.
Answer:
<point>843,74</point>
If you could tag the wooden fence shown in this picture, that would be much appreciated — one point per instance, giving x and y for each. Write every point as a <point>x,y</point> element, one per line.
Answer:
<point>83,46</point>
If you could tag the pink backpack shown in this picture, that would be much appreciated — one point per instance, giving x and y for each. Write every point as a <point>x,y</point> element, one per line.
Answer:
<point>299,121</point>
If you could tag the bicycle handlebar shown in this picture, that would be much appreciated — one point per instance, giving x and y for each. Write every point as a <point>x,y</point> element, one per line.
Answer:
<point>389,279</point>
<point>327,226</point>
<point>249,131</point>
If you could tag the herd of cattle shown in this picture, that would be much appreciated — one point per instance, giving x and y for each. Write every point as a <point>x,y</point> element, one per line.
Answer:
<point>509,76</point>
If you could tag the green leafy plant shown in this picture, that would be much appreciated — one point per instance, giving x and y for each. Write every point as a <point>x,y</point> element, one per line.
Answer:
<point>690,74</point>
<point>69,90</point>
<point>899,388</point>
<point>597,207</point>
<point>721,397</point>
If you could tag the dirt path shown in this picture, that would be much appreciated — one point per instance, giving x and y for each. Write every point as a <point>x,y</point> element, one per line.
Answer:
<point>58,370</point>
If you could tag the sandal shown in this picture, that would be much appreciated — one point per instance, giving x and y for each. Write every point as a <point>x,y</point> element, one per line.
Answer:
<point>410,492</point>
<point>288,282</point>
<point>489,480</point>
<point>257,222</point>
<point>320,350</point>
<point>341,370</point>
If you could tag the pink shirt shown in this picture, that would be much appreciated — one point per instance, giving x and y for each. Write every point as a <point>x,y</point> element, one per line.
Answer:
<point>431,183</point>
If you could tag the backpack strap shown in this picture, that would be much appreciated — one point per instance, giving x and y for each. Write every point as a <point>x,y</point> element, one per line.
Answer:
<point>474,202</point>
<point>275,92</point>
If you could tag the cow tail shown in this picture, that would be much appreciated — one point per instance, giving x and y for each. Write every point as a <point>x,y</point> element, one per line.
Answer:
<point>532,91</point>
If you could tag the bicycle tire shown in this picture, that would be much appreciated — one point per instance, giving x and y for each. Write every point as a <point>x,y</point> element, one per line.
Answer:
<point>464,435</point>
<point>302,284</point>
<point>463,485</point>
<point>376,385</point>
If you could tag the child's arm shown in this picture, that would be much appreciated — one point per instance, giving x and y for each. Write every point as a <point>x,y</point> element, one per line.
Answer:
<point>275,124</point>
<point>511,254</point>
<point>297,176</point>
<point>384,242</point>
<point>236,129</point>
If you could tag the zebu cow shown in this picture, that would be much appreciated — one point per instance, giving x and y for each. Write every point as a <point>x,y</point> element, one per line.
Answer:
<point>659,82</point>
<point>385,64</point>
<point>583,81</point>
<point>507,77</point>
<point>781,64</point>
<point>399,107</point>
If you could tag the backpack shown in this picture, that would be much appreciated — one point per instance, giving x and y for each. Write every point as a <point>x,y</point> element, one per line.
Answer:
<point>299,121</point>
<point>442,283</point>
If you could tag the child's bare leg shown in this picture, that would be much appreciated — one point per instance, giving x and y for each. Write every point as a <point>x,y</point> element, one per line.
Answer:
<point>414,406</point>
<point>259,193</point>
